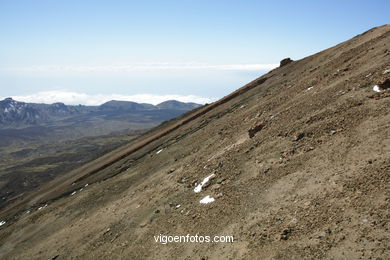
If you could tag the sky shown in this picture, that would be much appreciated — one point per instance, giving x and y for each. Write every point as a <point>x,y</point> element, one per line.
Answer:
<point>92,51</point>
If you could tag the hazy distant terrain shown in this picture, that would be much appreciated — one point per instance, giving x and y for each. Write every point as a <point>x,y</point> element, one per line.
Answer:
<point>25,122</point>
<point>39,141</point>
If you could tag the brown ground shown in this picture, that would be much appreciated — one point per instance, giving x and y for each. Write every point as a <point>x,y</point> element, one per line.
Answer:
<point>312,183</point>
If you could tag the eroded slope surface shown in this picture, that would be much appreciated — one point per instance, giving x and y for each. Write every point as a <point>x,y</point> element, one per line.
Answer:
<point>312,182</point>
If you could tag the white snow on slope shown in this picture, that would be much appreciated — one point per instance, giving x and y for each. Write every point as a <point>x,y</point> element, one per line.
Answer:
<point>44,206</point>
<point>207,200</point>
<point>198,187</point>
<point>376,88</point>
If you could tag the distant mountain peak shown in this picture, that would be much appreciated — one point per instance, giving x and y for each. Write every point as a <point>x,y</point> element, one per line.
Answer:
<point>58,104</point>
<point>174,104</point>
<point>125,105</point>
<point>14,112</point>
<point>10,104</point>
<point>9,101</point>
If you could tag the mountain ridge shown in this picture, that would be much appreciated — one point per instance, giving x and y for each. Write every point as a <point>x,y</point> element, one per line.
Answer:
<point>16,113</point>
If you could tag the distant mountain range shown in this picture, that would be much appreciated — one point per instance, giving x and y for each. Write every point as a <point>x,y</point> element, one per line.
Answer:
<point>20,114</point>
<point>41,141</point>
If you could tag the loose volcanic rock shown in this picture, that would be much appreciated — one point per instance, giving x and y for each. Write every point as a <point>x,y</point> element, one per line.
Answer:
<point>256,128</point>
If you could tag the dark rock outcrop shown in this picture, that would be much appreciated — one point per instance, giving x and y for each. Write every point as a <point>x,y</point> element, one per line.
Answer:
<point>256,128</point>
<point>285,61</point>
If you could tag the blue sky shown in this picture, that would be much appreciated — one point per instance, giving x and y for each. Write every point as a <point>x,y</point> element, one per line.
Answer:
<point>89,51</point>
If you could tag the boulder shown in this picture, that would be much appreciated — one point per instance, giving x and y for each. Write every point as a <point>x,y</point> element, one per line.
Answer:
<point>256,128</point>
<point>384,84</point>
<point>285,62</point>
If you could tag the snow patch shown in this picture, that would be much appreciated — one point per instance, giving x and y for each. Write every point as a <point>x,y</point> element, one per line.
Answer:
<point>44,206</point>
<point>159,151</point>
<point>376,88</point>
<point>198,187</point>
<point>207,200</point>
<point>2,223</point>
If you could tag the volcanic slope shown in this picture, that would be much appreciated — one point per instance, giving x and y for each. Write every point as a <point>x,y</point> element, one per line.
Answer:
<point>312,181</point>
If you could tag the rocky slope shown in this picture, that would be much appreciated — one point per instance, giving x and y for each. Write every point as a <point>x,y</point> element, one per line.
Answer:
<point>298,162</point>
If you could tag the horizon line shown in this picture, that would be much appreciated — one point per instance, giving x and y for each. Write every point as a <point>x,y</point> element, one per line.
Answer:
<point>78,98</point>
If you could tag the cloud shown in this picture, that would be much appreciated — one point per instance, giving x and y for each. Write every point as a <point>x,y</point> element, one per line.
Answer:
<point>75,98</point>
<point>126,68</point>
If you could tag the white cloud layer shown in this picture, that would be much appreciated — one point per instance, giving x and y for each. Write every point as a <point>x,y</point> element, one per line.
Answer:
<point>125,68</point>
<point>75,98</point>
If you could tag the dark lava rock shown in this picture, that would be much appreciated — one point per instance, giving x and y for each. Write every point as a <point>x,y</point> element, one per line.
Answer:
<point>384,84</point>
<point>285,62</point>
<point>299,136</point>
<point>256,128</point>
